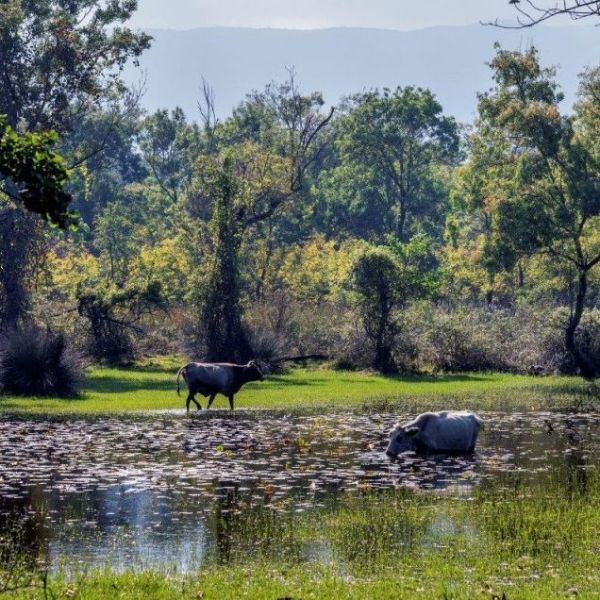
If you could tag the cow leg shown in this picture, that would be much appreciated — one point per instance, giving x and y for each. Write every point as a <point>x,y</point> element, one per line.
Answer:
<point>188,400</point>
<point>230,398</point>
<point>199,407</point>
<point>210,400</point>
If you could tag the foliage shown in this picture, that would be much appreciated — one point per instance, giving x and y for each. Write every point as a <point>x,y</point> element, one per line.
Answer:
<point>390,144</point>
<point>543,196</point>
<point>32,174</point>
<point>169,146</point>
<point>60,59</point>
<point>37,363</point>
<point>318,269</point>
<point>385,279</point>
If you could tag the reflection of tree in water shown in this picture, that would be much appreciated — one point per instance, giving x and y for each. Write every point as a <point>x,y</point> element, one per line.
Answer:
<point>240,526</point>
<point>224,518</point>
<point>576,464</point>
<point>23,533</point>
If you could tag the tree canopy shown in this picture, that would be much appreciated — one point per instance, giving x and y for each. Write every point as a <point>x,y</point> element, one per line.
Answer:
<point>33,175</point>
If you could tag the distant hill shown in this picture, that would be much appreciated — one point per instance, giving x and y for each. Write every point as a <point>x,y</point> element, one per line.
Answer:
<point>449,60</point>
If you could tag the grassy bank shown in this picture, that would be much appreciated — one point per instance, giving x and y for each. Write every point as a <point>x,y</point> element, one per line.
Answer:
<point>153,388</point>
<point>539,543</point>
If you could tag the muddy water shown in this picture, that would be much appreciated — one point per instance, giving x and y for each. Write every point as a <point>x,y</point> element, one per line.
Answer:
<point>157,491</point>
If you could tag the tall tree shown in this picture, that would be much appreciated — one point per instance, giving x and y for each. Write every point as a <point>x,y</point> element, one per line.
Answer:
<point>242,186</point>
<point>32,181</point>
<point>59,60</point>
<point>547,194</point>
<point>390,144</point>
<point>386,278</point>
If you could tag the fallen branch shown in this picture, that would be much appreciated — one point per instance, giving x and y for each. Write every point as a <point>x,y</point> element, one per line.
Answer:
<point>302,357</point>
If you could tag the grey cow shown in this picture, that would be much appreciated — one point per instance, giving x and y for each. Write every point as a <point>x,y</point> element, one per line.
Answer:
<point>436,432</point>
<point>210,379</point>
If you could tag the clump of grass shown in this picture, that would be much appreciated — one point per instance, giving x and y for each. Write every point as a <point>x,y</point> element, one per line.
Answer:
<point>38,363</point>
<point>366,533</point>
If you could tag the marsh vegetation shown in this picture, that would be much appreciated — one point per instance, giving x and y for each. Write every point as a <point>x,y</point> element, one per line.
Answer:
<point>307,503</point>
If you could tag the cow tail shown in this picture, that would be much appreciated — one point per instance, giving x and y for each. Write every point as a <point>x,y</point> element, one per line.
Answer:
<point>179,374</point>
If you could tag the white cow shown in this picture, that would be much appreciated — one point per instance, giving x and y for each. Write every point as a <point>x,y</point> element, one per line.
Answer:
<point>436,432</point>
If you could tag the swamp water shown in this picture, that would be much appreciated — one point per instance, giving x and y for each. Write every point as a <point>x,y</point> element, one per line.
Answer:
<point>169,492</point>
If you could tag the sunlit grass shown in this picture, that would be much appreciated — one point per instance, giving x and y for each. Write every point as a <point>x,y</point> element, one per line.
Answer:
<point>152,387</point>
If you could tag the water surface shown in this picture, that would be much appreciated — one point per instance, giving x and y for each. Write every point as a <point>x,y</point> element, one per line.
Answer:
<point>164,490</point>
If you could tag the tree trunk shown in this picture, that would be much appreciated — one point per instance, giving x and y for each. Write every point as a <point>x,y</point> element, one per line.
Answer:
<point>585,367</point>
<point>18,239</point>
<point>225,337</point>
<point>383,361</point>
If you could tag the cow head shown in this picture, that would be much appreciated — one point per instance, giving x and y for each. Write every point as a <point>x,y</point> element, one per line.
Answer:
<point>253,372</point>
<point>402,439</point>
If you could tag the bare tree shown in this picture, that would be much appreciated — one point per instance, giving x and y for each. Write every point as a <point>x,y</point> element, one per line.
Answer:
<point>208,114</point>
<point>534,12</point>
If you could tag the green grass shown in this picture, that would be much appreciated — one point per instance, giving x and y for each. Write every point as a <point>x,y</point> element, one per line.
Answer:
<point>153,388</point>
<point>540,543</point>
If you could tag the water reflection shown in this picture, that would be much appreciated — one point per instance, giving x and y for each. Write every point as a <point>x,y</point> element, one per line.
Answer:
<point>173,493</point>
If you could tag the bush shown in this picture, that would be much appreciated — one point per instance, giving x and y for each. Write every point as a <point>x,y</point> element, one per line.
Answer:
<point>268,348</point>
<point>529,339</point>
<point>37,363</point>
<point>463,340</point>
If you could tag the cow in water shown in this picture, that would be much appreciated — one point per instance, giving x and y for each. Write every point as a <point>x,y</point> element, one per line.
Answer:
<point>210,379</point>
<point>436,432</point>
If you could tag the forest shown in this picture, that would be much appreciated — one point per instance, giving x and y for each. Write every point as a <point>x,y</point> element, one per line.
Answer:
<point>376,233</point>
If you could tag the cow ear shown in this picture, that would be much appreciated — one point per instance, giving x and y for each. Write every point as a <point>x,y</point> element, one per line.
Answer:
<point>411,431</point>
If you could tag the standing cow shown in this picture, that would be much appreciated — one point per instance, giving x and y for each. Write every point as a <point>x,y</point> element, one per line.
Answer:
<point>436,432</point>
<point>210,379</point>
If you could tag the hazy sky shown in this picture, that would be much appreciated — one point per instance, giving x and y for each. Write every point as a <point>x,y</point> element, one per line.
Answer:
<point>308,14</point>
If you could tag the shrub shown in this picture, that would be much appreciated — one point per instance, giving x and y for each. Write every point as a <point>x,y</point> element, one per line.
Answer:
<point>37,363</point>
<point>268,348</point>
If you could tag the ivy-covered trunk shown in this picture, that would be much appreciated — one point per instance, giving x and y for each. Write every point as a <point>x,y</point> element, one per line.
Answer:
<point>225,337</point>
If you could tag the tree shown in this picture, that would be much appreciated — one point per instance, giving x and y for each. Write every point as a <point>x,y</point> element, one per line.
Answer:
<point>221,312</point>
<point>32,180</point>
<point>169,146</point>
<point>547,193</point>
<point>58,61</point>
<point>531,12</point>
<point>390,144</point>
<point>103,149</point>
<point>477,257</point>
<point>241,187</point>
<point>377,279</point>
<point>386,278</point>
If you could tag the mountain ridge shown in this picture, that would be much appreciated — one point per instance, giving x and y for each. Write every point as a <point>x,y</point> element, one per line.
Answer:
<point>338,61</point>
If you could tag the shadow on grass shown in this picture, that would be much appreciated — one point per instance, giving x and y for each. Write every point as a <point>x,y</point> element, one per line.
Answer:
<point>422,378</point>
<point>116,385</point>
